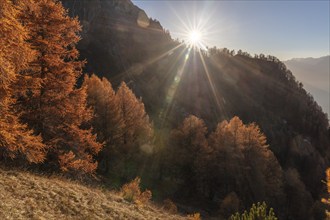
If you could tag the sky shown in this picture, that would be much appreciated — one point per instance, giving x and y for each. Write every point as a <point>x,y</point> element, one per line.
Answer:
<point>285,29</point>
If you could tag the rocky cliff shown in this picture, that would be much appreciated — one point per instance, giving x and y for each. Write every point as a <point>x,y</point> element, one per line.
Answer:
<point>116,35</point>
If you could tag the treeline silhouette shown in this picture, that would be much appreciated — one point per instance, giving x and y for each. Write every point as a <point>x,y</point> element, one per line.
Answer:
<point>194,148</point>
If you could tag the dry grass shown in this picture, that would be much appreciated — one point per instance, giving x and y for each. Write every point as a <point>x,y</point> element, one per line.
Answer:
<point>28,196</point>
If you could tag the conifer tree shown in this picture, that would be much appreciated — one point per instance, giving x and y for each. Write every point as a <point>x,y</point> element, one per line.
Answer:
<point>15,138</point>
<point>53,106</point>
<point>190,136</point>
<point>120,122</point>
<point>187,142</point>
<point>137,128</point>
<point>108,121</point>
<point>128,159</point>
<point>234,147</point>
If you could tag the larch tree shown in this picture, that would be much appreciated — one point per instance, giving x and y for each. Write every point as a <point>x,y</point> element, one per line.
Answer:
<point>137,127</point>
<point>53,106</point>
<point>16,140</point>
<point>239,160</point>
<point>187,142</point>
<point>108,121</point>
<point>129,158</point>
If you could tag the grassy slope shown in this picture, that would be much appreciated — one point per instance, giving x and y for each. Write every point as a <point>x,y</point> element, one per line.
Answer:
<point>28,196</point>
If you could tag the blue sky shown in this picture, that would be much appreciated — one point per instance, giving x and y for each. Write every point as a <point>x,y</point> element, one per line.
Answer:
<point>285,29</point>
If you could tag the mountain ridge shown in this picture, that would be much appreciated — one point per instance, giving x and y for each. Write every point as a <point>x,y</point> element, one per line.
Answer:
<point>116,35</point>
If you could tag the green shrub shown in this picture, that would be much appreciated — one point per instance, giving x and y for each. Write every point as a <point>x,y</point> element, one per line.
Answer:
<point>257,212</point>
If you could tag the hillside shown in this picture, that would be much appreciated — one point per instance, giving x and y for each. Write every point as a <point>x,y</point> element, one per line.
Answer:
<point>214,130</point>
<point>29,196</point>
<point>116,35</point>
<point>175,81</point>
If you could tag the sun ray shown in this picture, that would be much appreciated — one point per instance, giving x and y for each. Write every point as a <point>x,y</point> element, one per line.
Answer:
<point>134,68</point>
<point>171,92</point>
<point>215,96</point>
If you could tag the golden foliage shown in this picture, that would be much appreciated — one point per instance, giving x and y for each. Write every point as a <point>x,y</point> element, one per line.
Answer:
<point>327,201</point>
<point>195,216</point>
<point>108,121</point>
<point>15,53</point>
<point>50,103</point>
<point>131,192</point>
<point>137,128</point>
<point>234,133</point>
<point>189,139</point>
<point>69,162</point>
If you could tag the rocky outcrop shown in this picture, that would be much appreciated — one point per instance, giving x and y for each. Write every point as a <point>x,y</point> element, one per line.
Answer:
<point>116,35</point>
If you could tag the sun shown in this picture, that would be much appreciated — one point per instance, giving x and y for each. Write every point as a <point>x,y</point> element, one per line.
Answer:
<point>195,38</point>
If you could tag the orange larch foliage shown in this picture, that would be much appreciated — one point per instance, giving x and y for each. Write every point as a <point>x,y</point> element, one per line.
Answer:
<point>131,192</point>
<point>327,200</point>
<point>15,138</point>
<point>53,106</point>
<point>108,121</point>
<point>239,153</point>
<point>121,123</point>
<point>137,128</point>
<point>187,142</point>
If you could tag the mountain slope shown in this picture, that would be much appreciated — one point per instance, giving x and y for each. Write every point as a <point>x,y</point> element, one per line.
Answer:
<point>314,73</point>
<point>28,196</point>
<point>175,81</point>
<point>116,35</point>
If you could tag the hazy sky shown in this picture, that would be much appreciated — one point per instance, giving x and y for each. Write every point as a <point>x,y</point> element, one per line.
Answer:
<point>285,29</point>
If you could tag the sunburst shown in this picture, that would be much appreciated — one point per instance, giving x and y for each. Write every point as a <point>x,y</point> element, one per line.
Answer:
<point>195,38</point>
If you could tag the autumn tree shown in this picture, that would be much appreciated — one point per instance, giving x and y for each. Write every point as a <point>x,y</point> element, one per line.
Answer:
<point>108,121</point>
<point>187,141</point>
<point>137,127</point>
<point>122,123</point>
<point>15,138</point>
<point>238,160</point>
<point>137,135</point>
<point>53,106</point>
<point>221,161</point>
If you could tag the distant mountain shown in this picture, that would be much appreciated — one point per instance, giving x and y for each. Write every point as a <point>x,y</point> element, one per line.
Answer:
<point>314,73</point>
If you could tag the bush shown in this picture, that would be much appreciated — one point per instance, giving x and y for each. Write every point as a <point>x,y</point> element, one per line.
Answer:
<point>170,206</point>
<point>131,192</point>
<point>327,200</point>
<point>257,212</point>
<point>195,216</point>
<point>230,204</point>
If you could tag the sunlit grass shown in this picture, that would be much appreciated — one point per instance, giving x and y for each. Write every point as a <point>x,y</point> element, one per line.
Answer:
<point>27,196</point>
